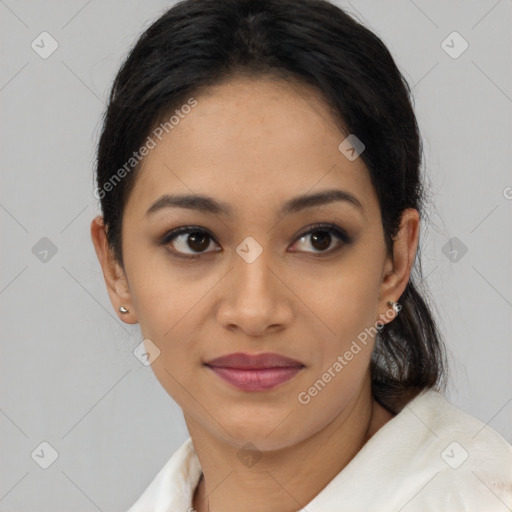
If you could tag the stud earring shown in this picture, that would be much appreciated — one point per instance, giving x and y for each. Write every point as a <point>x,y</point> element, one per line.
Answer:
<point>123,310</point>
<point>396,307</point>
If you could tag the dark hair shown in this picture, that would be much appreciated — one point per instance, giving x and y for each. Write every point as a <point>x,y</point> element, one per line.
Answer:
<point>199,43</point>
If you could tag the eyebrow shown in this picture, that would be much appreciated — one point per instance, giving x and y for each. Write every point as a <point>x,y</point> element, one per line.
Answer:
<point>207,204</point>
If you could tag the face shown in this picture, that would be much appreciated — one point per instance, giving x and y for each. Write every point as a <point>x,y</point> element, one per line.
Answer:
<point>304,283</point>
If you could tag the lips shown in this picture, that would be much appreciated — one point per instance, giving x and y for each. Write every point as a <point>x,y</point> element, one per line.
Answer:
<point>243,361</point>
<point>258,372</point>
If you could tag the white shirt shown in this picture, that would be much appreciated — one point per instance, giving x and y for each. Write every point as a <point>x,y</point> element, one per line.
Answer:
<point>431,456</point>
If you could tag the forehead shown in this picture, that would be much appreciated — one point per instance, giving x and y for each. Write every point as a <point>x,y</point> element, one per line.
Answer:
<point>252,142</point>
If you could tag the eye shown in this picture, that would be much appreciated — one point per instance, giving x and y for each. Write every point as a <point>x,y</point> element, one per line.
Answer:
<point>195,238</point>
<point>198,240</point>
<point>321,237</point>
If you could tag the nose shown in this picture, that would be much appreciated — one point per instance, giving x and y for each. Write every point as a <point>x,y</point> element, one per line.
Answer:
<point>256,298</point>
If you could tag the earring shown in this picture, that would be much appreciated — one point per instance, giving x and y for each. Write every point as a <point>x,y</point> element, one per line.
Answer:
<point>396,307</point>
<point>123,310</point>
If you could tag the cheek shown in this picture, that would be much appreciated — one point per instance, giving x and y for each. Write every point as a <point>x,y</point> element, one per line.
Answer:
<point>344,324</point>
<point>162,294</point>
<point>171,311</point>
<point>344,301</point>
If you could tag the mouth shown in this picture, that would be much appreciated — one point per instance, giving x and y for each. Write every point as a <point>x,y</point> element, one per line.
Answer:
<point>258,372</point>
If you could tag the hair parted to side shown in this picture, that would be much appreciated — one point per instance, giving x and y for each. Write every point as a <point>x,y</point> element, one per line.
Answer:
<point>199,43</point>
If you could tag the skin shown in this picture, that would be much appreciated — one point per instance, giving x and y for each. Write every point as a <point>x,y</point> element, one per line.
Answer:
<point>254,143</point>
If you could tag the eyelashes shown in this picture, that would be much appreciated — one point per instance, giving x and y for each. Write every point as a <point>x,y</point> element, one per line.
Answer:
<point>202,235</point>
<point>184,232</point>
<point>331,229</point>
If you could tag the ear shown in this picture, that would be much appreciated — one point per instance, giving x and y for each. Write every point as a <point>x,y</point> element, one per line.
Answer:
<point>398,270</point>
<point>115,279</point>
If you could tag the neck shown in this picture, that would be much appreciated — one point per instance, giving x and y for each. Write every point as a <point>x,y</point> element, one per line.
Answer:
<point>283,480</point>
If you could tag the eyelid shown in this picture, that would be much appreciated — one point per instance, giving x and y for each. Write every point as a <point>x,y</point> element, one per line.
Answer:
<point>183,230</point>
<point>340,233</point>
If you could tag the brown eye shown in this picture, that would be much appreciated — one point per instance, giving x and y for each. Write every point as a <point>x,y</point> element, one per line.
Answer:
<point>322,236</point>
<point>191,242</point>
<point>188,239</point>
<point>198,241</point>
<point>321,240</point>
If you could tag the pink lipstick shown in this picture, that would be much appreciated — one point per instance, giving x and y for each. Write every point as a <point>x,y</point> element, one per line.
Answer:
<point>257,372</point>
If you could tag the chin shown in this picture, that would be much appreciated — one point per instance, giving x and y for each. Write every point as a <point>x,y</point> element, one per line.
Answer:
<point>269,435</point>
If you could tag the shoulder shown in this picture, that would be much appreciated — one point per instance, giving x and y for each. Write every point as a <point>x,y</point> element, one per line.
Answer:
<point>470,441</point>
<point>468,462</point>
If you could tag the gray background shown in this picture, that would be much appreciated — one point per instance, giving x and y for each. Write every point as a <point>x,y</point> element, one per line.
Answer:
<point>68,375</point>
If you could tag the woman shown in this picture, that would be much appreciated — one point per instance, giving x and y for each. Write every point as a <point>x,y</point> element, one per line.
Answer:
<point>259,178</point>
